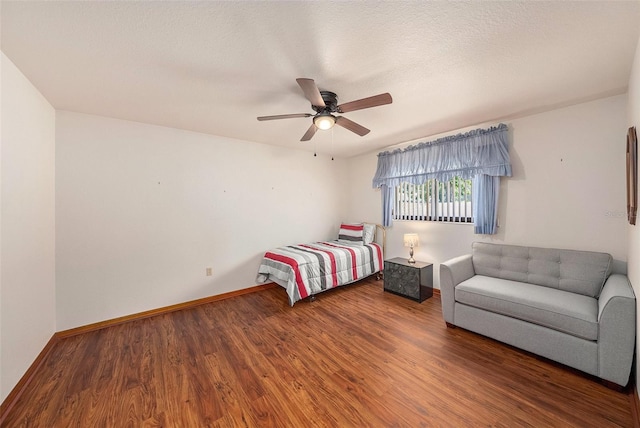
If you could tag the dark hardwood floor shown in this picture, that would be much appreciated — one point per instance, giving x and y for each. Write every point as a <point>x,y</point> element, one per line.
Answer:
<point>355,357</point>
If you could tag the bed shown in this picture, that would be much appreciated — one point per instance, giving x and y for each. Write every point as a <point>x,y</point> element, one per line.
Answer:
<point>305,270</point>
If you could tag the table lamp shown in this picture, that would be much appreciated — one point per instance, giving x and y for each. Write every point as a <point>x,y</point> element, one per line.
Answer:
<point>411,240</point>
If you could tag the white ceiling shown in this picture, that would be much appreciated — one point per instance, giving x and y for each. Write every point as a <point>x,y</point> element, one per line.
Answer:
<point>213,67</point>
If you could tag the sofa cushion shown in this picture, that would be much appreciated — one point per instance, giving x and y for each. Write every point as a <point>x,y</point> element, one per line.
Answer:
<point>582,272</point>
<point>560,310</point>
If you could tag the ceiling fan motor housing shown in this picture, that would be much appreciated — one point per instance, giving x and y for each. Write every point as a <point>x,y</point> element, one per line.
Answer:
<point>330,101</point>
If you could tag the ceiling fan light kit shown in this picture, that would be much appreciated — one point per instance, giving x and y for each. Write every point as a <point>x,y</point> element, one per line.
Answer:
<point>324,103</point>
<point>324,121</point>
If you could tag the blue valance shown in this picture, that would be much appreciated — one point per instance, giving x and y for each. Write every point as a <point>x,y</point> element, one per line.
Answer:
<point>481,151</point>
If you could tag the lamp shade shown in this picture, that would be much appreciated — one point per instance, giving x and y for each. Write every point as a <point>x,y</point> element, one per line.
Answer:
<point>324,121</point>
<point>411,240</point>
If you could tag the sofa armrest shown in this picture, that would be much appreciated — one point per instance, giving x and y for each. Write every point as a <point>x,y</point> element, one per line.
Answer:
<point>616,329</point>
<point>452,273</point>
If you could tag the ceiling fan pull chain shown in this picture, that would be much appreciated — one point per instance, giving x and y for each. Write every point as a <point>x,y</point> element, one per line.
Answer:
<point>331,143</point>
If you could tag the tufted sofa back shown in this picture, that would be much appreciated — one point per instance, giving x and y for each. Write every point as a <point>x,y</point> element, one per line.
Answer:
<point>582,272</point>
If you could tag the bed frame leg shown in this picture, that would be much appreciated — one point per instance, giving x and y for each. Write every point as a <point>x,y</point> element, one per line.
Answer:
<point>312,298</point>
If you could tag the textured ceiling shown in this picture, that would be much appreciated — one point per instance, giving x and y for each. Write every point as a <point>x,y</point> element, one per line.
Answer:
<point>213,67</point>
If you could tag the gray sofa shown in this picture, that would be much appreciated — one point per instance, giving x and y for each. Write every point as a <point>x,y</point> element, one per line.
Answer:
<point>564,305</point>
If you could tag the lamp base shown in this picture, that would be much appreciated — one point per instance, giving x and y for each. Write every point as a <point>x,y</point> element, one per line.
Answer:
<point>411,259</point>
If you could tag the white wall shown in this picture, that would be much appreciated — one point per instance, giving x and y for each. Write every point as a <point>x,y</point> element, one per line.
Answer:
<point>27,293</point>
<point>567,189</point>
<point>143,210</point>
<point>633,119</point>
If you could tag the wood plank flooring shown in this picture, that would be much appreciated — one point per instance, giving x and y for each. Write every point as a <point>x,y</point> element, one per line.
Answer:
<point>355,357</point>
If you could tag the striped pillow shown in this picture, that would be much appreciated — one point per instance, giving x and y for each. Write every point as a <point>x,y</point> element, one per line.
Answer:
<point>351,233</point>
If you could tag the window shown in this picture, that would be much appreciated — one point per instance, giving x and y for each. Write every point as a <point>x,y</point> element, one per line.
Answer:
<point>435,201</point>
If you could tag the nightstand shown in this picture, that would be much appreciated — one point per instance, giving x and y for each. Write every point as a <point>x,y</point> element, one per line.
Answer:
<point>411,280</point>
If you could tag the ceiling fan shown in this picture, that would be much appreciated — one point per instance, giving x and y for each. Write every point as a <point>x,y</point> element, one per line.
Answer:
<point>324,103</point>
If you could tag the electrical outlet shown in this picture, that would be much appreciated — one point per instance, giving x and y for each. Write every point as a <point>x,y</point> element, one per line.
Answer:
<point>209,271</point>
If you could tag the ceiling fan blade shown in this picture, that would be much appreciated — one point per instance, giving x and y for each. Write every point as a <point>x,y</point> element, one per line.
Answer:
<point>375,101</point>
<point>311,91</point>
<point>310,133</point>
<point>285,116</point>
<point>352,126</point>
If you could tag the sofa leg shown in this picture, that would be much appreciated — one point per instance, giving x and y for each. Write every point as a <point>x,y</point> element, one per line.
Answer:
<point>449,325</point>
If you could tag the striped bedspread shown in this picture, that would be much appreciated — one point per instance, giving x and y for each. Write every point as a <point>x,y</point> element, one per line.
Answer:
<point>309,269</point>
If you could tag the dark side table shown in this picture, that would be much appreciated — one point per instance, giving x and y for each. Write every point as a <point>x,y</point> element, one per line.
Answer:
<point>411,280</point>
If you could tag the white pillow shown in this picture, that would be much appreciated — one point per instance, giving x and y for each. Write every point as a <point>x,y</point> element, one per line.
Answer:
<point>369,233</point>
